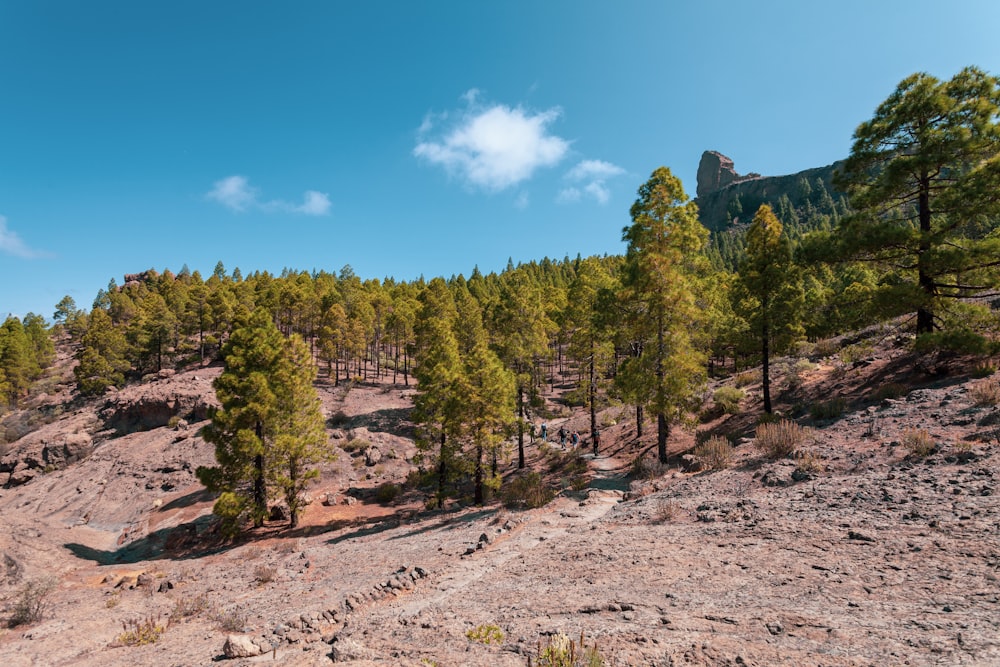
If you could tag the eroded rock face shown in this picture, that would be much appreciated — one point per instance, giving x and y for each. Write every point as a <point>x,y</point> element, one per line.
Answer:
<point>153,405</point>
<point>51,447</point>
<point>715,171</point>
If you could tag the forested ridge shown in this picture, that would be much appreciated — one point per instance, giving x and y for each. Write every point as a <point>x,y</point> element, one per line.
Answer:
<point>914,241</point>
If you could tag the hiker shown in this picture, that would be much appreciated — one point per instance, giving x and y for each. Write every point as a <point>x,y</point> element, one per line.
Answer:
<point>575,439</point>
<point>562,437</point>
<point>534,428</point>
<point>545,433</point>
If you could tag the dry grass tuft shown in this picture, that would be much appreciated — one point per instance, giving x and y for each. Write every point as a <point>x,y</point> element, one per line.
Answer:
<point>918,441</point>
<point>780,439</point>
<point>985,393</point>
<point>715,453</point>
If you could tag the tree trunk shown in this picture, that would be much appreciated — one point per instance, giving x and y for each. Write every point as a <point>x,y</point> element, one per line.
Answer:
<point>520,426</point>
<point>442,473</point>
<point>479,475</point>
<point>662,434</point>
<point>766,370</point>
<point>638,421</point>
<point>592,398</point>
<point>925,317</point>
<point>259,488</point>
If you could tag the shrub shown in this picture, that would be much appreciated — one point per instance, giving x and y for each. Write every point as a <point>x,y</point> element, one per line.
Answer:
<point>647,468</point>
<point>387,492</point>
<point>828,409</point>
<point>355,445</point>
<point>780,439</point>
<point>714,453</point>
<point>173,422</point>
<point>32,602</point>
<point>793,380</point>
<point>728,398</point>
<point>264,574</point>
<point>960,341</point>
<point>561,651</point>
<point>666,511</point>
<point>752,376</point>
<point>231,620</point>
<point>485,634</point>
<point>984,393</point>
<point>856,352</point>
<point>139,632</point>
<point>808,463</point>
<point>338,419</point>
<point>918,441</point>
<point>186,607</point>
<point>826,347</point>
<point>526,492</point>
<point>983,369</point>
<point>889,391</point>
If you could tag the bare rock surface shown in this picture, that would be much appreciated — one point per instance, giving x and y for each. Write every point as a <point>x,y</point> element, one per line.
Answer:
<point>856,551</point>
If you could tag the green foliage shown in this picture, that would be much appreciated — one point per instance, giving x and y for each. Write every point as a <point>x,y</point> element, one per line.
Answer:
<point>485,634</point>
<point>32,602</point>
<point>959,341</point>
<point>768,293</point>
<point>728,399</point>
<point>663,280</point>
<point>922,175</point>
<point>268,434</point>
<point>387,492</point>
<point>102,356</point>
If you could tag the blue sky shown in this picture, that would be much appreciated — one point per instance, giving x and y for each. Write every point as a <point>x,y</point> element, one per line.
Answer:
<point>412,138</point>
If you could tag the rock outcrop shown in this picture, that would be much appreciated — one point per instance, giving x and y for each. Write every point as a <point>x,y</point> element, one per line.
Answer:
<point>715,171</point>
<point>148,406</point>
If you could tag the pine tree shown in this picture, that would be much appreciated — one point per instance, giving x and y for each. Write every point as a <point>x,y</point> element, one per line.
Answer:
<point>102,356</point>
<point>589,342</point>
<point>486,391</point>
<point>240,429</point>
<point>299,438</point>
<point>438,370</point>
<point>664,266</point>
<point>521,330</point>
<point>769,292</point>
<point>923,175</point>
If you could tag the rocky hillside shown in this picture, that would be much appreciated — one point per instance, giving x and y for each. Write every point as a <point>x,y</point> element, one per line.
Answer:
<point>720,187</point>
<point>877,541</point>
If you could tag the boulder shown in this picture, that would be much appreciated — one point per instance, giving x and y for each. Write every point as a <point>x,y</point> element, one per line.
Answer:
<point>240,646</point>
<point>372,456</point>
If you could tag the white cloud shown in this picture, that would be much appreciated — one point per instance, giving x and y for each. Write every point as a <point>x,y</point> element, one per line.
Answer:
<point>316,203</point>
<point>591,176</point>
<point>598,191</point>
<point>594,169</point>
<point>494,147</point>
<point>234,192</point>
<point>568,196</point>
<point>11,243</point>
